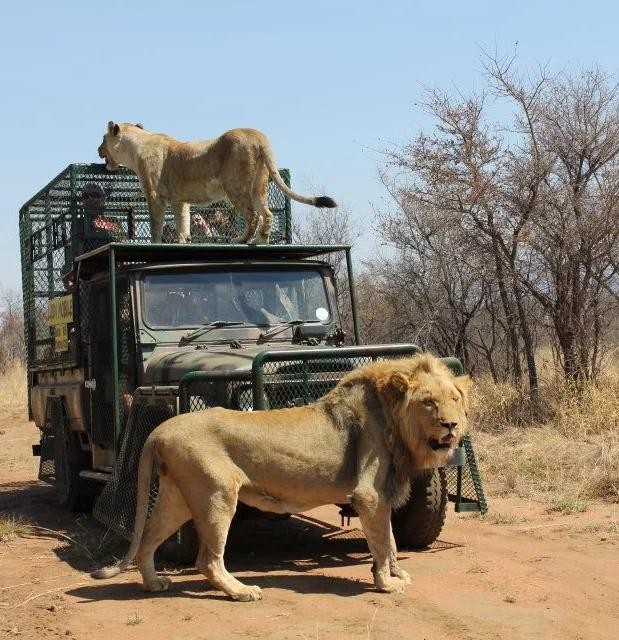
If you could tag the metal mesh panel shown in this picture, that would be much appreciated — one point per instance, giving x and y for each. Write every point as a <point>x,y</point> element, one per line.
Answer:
<point>296,382</point>
<point>464,483</point>
<point>43,281</point>
<point>231,394</point>
<point>53,417</point>
<point>126,349</point>
<point>47,466</point>
<point>97,360</point>
<point>116,505</point>
<point>299,380</point>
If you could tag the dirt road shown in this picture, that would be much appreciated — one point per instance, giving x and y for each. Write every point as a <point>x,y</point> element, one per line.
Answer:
<point>519,573</point>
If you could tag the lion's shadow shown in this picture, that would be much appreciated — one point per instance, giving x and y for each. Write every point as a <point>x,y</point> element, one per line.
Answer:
<point>200,589</point>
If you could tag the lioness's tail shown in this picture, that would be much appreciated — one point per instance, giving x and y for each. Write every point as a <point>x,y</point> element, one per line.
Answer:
<point>144,473</point>
<point>318,201</point>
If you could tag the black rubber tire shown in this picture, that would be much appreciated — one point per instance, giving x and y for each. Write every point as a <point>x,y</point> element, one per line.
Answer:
<point>72,492</point>
<point>419,522</point>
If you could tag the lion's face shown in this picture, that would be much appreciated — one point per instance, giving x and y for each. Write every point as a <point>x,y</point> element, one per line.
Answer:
<point>108,145</point>
<point>432,414</point>
<point>439,405</point>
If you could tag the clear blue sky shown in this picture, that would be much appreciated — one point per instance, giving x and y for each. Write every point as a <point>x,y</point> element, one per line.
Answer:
<point>327,81</point>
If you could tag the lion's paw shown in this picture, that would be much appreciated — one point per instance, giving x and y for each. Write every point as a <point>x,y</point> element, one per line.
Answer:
<point>392,585</point>
<point>159,583</point>
<point>401,574</point>
<point>249,593</point>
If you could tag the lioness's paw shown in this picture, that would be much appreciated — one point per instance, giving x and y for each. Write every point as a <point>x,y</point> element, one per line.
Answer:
<point>392,585</point>
<point>396,572</point>
<point>249,593</point>
<point>160,583</point>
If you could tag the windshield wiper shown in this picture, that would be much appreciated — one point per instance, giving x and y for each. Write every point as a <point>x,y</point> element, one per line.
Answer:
<point>279,327</point>
<point>200,331</point>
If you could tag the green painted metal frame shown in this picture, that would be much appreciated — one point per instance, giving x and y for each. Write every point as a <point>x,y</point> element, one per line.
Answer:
<point>462,504</point>
<point>134,253</point>
<point>114,348</point>
<point>373,351</point>
<point>188,379</point>
<point>353,298</point>
<point>109,256</point>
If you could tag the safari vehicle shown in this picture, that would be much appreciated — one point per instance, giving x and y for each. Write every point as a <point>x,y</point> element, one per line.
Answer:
<point>122,334</point>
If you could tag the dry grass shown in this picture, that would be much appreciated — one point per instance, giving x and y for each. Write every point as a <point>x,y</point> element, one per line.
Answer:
<point>134,619</point>
<point>568,506</point>
<point>12,527</point>
<point>566,451</point>
<point>13,389</point>
<point>498,517</point>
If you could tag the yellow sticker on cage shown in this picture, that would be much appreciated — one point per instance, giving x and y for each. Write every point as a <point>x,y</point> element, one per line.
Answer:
<point>60,310</point>
<point>61,337</point>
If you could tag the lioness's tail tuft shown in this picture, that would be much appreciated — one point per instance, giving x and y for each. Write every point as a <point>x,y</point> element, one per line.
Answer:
<point>324,201</point>
<point>106,572</point>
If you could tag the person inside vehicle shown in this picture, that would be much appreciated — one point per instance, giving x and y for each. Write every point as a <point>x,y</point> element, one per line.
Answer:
<point>178,310</point>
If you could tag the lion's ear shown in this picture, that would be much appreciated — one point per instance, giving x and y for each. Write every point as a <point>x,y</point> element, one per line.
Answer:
<point>464,384</point>
<point>116,130</point>
<point>139,125</point>
<point>110,126</point>
<point>400,381</point>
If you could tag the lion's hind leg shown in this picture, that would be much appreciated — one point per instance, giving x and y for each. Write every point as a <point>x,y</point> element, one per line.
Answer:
<point>181,221</point>
<point>170,513</point>
<point>260,201</point>
<point>212,518</point>
<point>251,224</point>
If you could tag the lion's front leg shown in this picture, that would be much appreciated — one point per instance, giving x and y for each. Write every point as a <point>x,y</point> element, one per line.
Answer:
<point>375,516</point>
<point>394,568</point>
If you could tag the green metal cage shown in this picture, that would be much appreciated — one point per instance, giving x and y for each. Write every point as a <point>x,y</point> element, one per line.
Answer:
<point>61,222</point>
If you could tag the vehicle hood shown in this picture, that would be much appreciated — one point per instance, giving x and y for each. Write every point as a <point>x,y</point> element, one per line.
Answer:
<point>168,365</point>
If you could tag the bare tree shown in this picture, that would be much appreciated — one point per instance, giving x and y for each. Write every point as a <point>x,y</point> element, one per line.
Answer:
<point>431,281</point>
<point>566,260</point>
<point>505,224</point>
<point>12,346</point>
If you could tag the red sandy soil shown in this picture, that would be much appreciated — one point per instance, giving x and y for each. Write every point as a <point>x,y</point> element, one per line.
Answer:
<point>519,573</point>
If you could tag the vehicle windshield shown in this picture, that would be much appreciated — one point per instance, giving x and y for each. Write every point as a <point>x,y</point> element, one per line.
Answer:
<point>187,299</point>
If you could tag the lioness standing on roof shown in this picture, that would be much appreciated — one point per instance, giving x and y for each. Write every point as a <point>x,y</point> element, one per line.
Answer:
<point>234,167</point>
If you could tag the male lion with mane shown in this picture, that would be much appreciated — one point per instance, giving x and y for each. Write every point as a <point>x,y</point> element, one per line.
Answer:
<point>361,443</point>
<point>234,167</point>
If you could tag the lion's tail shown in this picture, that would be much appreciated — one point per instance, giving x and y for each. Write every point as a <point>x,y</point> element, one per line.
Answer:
<point>317,201</point>
<point>144,474</point>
